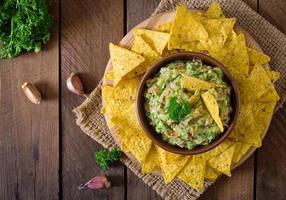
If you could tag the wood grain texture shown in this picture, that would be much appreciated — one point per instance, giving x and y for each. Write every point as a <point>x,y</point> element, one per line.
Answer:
<point>271,158</point>
<point>274,12</point>
<point>29,145</point>
<point>137,11</point>
<point>87,28</point>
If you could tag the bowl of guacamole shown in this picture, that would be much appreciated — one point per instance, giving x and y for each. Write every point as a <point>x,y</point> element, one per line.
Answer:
<point>187,103</point>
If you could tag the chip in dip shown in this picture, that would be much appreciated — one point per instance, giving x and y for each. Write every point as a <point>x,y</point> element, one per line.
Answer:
<point>175,106</point>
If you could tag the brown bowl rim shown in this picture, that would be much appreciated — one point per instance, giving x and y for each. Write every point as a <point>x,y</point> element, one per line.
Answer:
<point>149,130</point>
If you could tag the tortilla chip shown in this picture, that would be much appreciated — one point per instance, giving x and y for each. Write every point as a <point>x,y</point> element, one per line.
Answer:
<point>130,133</point>
<point>109,75</point>
<point>195,97</point>
<point>157,40</point>
<point>191,83</point>
<point>123,61</point>
<point>218,30</point>
<point>263,113</point>
<point>260,87</point>
<point>238,54</point>
<point>273,75</point>
<point>211,174</point>
<point>152,162</point>
<point>240,150</point>
<point>215,151</point>
<point>165,27</point>
<point>257,57</point>
<point>232,35</point>
<point>171,164</point>
<point>214,11</point>
<point>222,162</point>
<point>185,29</point>
<point>193,173</point>
<point>212,106</point>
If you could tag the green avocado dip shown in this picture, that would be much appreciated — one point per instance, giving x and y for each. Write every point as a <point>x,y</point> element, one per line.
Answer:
<point>178,113</point>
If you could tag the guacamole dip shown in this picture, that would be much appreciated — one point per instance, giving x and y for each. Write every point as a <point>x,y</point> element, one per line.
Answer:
<point>179,113</point>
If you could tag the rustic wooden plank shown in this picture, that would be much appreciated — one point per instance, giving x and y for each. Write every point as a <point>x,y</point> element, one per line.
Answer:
<point>29,133</point>
<point>271,158</point>
<point>137,11</point>
<point>87,28</point>
<point>274,12</point>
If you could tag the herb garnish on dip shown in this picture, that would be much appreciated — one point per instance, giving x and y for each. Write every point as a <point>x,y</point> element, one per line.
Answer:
<point>188,102</point>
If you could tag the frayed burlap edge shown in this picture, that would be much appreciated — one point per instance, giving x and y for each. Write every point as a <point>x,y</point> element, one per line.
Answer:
<point>272,41</point>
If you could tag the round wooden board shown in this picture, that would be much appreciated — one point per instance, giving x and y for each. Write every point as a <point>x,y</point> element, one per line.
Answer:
<point>152,23</point>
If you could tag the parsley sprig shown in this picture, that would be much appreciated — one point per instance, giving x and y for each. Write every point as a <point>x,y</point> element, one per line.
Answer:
<point>24,26</point>
<point>178,110</point>
<point>104,157</point>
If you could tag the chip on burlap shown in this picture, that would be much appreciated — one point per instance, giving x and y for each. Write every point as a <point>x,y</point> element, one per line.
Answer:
<point>273,43</point>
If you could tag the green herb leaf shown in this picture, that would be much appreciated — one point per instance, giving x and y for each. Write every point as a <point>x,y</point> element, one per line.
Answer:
<point>104,157</point>
<point>178,110</point>
<point>24,26</point>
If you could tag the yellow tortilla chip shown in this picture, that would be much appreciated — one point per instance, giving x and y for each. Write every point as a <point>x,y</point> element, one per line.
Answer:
<point>193,173</point>
<point>211,173</point>
<point>260,87</point>
<point>185,29</point>
<point>191,83</point>
<point>109,75</point>
<point>214,11</point>
<point>212,106</point>
<point>165,27</point>
<point>130,133</point>
<point>152,162</point>
<point>195,97</point>
<point>215,151</point>
<point>240,150</point>
<point>233,55</point>
<point>273,75</point>
<point>157,40</point>
<point>123,61</point>
<point>218,30</point>
<point>171,164</point>
<point>257,57</point>
<point>141,47</point>
<point>222,162</point>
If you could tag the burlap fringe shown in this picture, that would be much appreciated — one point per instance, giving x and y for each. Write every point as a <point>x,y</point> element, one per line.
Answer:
<point>273,42</point>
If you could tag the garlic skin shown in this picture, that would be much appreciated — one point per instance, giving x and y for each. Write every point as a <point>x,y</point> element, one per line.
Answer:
<point>74,84</point>
<point>97,182</point>
<point>32,93</point>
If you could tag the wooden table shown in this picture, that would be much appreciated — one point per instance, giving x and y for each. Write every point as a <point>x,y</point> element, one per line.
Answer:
<point>44,155</point>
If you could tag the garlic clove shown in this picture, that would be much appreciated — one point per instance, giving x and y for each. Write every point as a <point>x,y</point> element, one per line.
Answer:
<point>32,93</point>
<point>97,182</point>
<point>74,84</point>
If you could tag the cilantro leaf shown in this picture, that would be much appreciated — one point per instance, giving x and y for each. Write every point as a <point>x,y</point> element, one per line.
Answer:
<point>24,26</point>
<point>178,110</point>
<point>104,157</point>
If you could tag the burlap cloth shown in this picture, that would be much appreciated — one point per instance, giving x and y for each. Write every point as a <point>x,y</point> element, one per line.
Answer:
<point>272,41</point>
